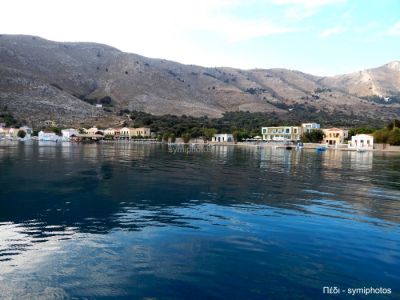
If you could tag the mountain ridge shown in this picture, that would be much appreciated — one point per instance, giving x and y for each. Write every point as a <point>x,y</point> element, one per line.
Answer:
<point>41,79</point>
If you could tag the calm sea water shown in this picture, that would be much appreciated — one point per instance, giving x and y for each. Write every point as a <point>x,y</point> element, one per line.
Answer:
<point>137,222</point>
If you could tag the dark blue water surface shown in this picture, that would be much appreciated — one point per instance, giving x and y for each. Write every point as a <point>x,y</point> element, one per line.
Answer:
<point>137,222</point>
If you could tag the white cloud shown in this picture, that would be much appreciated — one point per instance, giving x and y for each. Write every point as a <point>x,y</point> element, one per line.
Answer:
<point>309,2</point>
<point>167,29</point>
<point>301,9</point>
<point>235,30</point>
<point>127,20</point>
<point>332,31</point>
<point>366,27</point>
<point>395,29</point>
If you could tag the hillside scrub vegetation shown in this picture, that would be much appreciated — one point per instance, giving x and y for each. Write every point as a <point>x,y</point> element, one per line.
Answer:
<point>389,135</point>
<point>243,123</point>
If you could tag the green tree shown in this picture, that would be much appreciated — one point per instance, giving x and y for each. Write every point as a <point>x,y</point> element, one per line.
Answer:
<point>186,138</point>
<point>208,133</point>
<point>394,137</point>
<point>361,130</point>
<point>389,135</point>
<point>165,137</point>
<point>313,136</point>
<point>393,124</point>
<point>381,136</point>
<point>21,134</point>
<point>172,137</point>
<point>56,130</point>
<point>236,135</point>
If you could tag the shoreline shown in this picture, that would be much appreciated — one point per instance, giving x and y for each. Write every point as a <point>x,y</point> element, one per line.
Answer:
<point>306,146</point>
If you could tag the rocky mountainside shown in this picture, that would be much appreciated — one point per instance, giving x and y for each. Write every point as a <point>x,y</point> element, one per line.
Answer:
<point>41,79</point>
<point>383,81</point>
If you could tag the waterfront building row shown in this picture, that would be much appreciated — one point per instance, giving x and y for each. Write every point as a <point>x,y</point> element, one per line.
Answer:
<point>77,134</point>
<point>287,133</point>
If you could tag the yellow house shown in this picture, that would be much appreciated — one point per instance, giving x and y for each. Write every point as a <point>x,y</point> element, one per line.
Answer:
<point>112,132</point>
<point>281,133</point>
<point>335,136</point>
<point>143,131</point>
<point>128,132</point>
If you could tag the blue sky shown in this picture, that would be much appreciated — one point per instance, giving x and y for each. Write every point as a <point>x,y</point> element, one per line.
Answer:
<point>322,37</point>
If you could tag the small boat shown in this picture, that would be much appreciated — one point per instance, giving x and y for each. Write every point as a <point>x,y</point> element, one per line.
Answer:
<point>299,146</point>
<point>320,149</point>
<point>288,146</point>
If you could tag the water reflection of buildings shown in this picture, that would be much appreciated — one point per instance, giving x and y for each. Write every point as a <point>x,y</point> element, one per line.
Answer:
<point>95,152</point>
<point>287,159</point>
<point>336,159</point>
<point>221,152</point>
<point>361,160</point>
<point>332,159</point>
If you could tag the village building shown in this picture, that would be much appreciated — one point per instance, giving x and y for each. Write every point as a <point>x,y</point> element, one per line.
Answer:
<point>9,132</point>
<point>361,142</point>
<point>114,132</point>
<point>142,131</point>
<point>335,136</point>
<point>281,133</point>
<point>222,138</point>
<point>94,131</point>
<point>128,132</point>
<point>5,132</point>
<point>69,133</point>
<point>307,127</point>
<point>48,136</point>
<point>50,123</point>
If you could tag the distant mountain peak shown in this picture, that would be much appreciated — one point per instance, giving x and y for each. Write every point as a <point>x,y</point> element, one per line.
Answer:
<point>394,65</point>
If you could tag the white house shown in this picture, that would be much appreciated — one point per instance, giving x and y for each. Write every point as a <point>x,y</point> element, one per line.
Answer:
<point>48,136</point>
<point>361,142</point>
<point>222,137</point>
<point>68,133</point>
<point>307,127</point>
